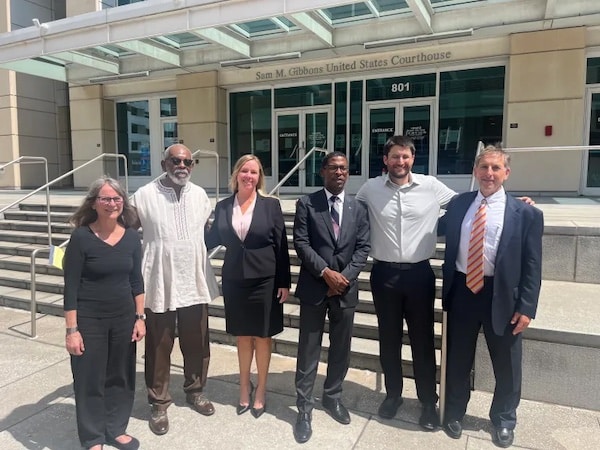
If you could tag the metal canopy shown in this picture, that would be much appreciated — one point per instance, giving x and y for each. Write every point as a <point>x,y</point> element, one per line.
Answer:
<point>183,36</point>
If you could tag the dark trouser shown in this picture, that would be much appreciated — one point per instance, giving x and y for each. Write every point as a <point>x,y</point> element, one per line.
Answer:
<point>192,327</point>
<point>402,291</point>
<point>104,378</point>
<point>312,322</point>
<point>468,312</point>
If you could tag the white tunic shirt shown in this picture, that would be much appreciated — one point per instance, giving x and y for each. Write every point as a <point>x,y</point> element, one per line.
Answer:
<point>175,265</point>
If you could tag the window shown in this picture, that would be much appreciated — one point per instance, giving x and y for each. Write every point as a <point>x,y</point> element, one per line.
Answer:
<point>298,96</point>
<point>134,144</point>
<point>471,108</point>
<point>250,129</point>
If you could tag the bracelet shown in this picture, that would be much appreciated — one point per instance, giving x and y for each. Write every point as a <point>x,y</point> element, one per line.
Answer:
<point>140,316</point>
<point>71,330</point>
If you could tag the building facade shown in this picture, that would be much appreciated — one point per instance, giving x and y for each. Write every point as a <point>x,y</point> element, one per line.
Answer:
<point>278,78</point>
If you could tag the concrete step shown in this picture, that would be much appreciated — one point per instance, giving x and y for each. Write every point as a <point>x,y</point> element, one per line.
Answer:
<point>32,237</point>
<point>23,264</point>
<point>37,216</point>
<point>36,227</point>
<point>364,353</point>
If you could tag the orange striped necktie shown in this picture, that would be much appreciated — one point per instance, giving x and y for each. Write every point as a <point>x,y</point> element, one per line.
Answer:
<point>475,254</point>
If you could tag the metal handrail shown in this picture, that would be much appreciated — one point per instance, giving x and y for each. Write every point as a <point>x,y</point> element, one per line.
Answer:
<point>34,160</point>
<point>216,155</point>
<point>296,167</point>
<point>33,332</point>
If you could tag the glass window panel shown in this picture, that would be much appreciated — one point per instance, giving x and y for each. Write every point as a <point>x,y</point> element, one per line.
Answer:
<point>390,5</point>
<point>471,109</point>
<point>133,136</point>
<point>347,11</point>
<point>356,104</point>
<point>316,136</point>
<point>168,107</point>
<point>250,129</point>
<point>287,22</point>
<point>416,123</point>
<point>258,26</point>
<point>593,172</point>
<point>413,86</point>
<point>341,111</point>
<point>288,137</point>
<point>293,97</point>
<point>593,71</point>
<point>382,122</point>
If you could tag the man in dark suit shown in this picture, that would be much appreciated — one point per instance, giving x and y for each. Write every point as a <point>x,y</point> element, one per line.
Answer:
<point>331,237</point>
<point>492,277</point>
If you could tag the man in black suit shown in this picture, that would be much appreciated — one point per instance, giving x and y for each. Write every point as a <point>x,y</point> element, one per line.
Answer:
<point>492,278</point>
<point>331,237</point>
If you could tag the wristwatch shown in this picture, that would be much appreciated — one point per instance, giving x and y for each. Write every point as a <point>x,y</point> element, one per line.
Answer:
<point>71,330</point>
<point>140,317</point>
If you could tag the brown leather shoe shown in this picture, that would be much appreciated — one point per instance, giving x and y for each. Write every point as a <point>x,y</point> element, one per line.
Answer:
<point>200,403</point>
<point>159,421</point>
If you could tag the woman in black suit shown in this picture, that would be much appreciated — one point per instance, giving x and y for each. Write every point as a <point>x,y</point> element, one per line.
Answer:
<point>256,273</point>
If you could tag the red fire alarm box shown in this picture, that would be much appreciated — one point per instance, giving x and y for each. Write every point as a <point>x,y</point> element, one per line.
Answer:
<point>548,130</point>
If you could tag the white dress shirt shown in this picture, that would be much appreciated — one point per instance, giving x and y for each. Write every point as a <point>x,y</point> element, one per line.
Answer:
<point>403,219</point>
<point>494,223</point>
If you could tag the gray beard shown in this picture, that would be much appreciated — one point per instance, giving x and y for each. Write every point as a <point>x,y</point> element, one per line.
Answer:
<point>177,180</point>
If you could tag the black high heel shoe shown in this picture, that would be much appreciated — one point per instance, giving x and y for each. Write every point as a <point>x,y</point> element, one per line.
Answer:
<point>241,409</point>
<point>257,412</point>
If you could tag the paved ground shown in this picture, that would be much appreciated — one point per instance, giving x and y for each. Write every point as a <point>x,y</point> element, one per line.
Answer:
<point>37,411</point>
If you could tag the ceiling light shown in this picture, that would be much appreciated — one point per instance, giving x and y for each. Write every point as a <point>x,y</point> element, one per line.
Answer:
<point>120,76</point>
<point>261,59</point>
<point>420,38</point>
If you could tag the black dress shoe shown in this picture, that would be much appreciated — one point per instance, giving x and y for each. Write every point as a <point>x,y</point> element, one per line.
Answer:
<point>389,407</point>
<point>429,419</point>
<point>133,444</point>
<point>503,437</point>
<point>159,421</point>
<point>453,428</point>
<point>302,429</point>
<point>336,409</point>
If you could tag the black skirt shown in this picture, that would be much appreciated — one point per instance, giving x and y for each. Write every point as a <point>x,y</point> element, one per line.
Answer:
<point>252,307</point>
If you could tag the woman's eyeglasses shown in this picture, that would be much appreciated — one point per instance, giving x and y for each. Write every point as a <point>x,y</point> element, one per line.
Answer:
<point>186,162</point>
<point>108,200</point>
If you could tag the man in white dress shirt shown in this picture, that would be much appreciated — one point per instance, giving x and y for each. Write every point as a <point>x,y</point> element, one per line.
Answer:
<point>404,208</point>
<point>179,283</point>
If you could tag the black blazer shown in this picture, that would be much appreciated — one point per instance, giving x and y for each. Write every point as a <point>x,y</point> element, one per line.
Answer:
<point>518,265</point>
<point>264,252</point>
<point>317,247</point>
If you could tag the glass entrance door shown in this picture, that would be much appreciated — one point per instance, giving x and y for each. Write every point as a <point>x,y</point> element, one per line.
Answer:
<point>297,133</point>
<point>412,119</point>
<point>592,160</point>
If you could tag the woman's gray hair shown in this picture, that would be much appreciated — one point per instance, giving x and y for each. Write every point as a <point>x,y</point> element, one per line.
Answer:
<point>85,214</point>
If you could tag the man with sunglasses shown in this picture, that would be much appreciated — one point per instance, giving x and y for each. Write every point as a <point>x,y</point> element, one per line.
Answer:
<point>179,283</point>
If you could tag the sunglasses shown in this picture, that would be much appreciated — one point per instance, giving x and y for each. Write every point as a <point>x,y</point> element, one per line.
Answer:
<point>186,162</point>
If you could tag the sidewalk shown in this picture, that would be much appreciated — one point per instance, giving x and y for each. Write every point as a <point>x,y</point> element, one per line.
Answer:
<point>37,411</point>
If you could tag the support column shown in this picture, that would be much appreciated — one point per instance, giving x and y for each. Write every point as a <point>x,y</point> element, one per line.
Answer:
<point>92,133</point>
<point>546,86</point>
<point>202,124</point>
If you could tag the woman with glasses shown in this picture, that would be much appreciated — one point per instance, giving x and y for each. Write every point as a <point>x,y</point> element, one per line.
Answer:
<point>104,314</point>
<point>256,273</point>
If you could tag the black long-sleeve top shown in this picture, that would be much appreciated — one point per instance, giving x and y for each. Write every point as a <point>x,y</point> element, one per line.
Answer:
<point>102,280</point>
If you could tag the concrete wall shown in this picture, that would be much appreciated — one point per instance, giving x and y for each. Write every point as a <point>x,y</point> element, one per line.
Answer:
<point>563,373</point>
<point>75,7</point>
<point>546,86</point>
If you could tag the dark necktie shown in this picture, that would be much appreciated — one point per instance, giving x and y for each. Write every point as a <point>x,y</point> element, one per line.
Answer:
<point>335,216</point>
